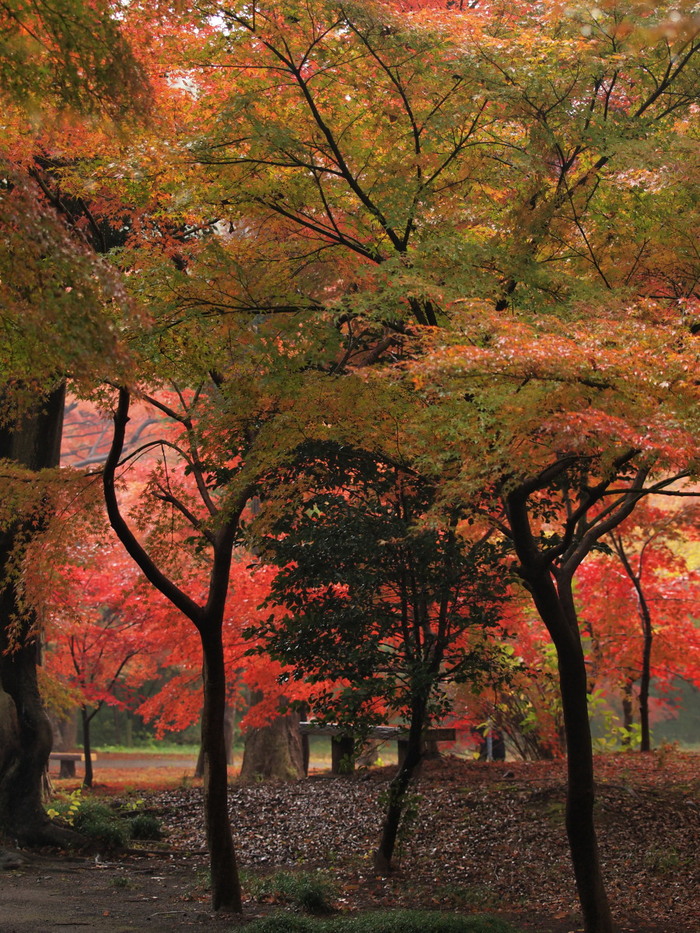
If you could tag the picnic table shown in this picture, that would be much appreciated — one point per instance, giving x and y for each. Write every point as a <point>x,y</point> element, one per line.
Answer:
<point>343,742</point>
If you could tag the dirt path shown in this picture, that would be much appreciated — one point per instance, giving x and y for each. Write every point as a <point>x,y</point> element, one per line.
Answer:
<point>68,895</point>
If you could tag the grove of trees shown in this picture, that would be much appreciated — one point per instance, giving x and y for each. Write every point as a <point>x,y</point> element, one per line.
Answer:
<point>389,314</point>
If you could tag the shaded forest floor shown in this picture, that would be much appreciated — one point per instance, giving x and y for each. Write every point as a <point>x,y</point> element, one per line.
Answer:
<point>485,838</point>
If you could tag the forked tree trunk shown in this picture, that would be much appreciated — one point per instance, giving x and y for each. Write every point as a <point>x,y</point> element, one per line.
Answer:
<point>208,619</point>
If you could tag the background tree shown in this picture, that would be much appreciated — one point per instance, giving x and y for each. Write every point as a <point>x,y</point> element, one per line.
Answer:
<point>640,604</point>
<point>385,602</point>
<point>99,640</point>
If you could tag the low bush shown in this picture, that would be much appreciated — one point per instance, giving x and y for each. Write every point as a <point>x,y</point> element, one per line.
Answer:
<point>145,826</point>
<point>100,823</point>
<point>311,892</point>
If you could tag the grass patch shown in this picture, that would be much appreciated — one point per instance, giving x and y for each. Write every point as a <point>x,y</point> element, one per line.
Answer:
<point>460,896</point>
<point>661,861</point>
<point>311,892</point>
<point>152,748</point>
<point>394,921</point>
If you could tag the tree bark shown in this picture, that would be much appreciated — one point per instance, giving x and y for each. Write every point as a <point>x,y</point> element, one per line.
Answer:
<point>226,888</point>
<point>274,752</point>
<point>399,788</point>
<point>645,681</point>
<point>229,730</point>
<point>556,610</point>
<point>87,747</point>
<point>25,727</point>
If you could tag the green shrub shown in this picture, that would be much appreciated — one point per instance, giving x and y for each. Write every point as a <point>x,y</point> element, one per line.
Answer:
<point>99,822</point>
<point>308,891</point>
<point>145,826</point>
<point>395,921</point>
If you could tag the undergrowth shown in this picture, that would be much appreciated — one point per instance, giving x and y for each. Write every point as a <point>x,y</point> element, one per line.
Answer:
<point>311,892</point>
<point>109,826</point>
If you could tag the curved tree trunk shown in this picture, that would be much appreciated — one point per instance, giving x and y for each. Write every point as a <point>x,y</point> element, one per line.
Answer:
<point>226,889</point>
<point>274,752</point>
<point>208,619</point>
<point>399,788</point>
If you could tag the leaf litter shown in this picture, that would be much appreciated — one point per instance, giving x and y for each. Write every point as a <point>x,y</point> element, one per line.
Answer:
<point>485,837</point>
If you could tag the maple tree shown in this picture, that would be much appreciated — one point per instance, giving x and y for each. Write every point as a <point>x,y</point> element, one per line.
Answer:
<point>369,173</point>
<point>389,219</point>
<point>211,506</point>
<point>253,682</point>
<point>639,608</point>
<point>98,639</point>
<point>564,437</point>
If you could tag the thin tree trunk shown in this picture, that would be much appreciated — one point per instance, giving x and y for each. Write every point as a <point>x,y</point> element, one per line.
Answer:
<point>87,750</point>
<point>208,619</point>
<point>627,706</point>
<point>645,681</point>
<point>226,890</point>
<point>399,788</point>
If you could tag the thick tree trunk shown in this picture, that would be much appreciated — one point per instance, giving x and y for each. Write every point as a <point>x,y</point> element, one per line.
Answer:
<point>580,825</point>
<point>399,788</point>
<point>229,729</point>
<point>25,728</point>
<point>65,732</point>
<point>274,752</point>
<point>225,882</point>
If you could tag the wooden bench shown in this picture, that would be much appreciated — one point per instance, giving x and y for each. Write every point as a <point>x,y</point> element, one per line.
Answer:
<point>343,745</point>
<point>67,762</point>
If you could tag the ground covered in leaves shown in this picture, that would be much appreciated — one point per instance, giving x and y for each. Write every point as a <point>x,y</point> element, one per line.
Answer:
<point>483,838</point>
